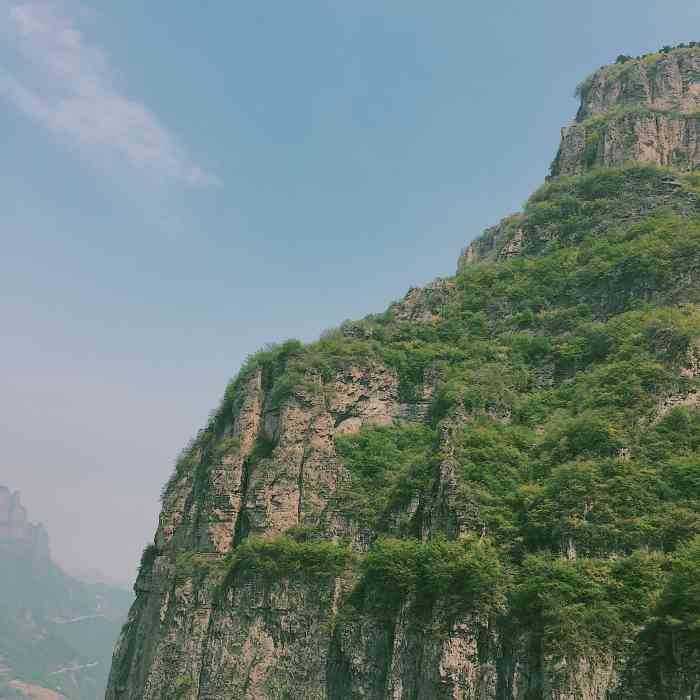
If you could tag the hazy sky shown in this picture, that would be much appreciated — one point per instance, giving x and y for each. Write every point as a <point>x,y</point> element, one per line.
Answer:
<point>182,182</point>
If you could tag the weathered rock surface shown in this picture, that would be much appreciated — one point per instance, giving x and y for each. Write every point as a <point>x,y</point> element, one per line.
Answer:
<point>656,138</point>
<point>663,81</point>
<point>643,111</point>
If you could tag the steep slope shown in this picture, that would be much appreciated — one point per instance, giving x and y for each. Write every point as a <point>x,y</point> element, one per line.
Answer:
<point>55,632</point>
<point>492,490</point>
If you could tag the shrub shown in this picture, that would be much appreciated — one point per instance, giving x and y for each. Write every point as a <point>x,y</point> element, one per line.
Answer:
<point>148,556</point>
<point>565,605</point>
<point>283,556</point>
<point>463,575</point>
<point>388,465</point>
<point>182,686</point>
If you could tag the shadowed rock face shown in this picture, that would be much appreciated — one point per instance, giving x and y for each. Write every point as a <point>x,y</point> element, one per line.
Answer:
<point>259,583</point>
<point>643,111</point>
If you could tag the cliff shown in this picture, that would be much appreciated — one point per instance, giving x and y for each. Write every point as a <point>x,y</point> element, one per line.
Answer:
<point>489,491</point>
<point>644,110</point>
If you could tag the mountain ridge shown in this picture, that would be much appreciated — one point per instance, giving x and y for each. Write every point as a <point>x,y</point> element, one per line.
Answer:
<point>490,490</point>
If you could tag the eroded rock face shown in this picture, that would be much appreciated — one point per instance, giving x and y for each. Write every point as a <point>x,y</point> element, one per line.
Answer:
<point>178,626</point>
<point>423,304</point>
<point>653,138</point>
<point>196,633</point>
<point>497,242</point>
<point>272,640</point>
<point>660,81</point>
<point>642,111</point>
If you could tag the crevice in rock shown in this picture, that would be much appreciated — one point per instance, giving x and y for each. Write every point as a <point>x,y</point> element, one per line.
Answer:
<point>300,478</point>
<point>348,413</point>
<point>300,487</point>
<point>242,526</point>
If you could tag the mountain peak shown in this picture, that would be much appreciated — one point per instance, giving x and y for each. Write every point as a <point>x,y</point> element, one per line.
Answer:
<point>19,535</point>
<point>637,110</point>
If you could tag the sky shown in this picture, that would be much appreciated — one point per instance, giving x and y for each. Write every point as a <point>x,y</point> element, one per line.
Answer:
<point>182,183</point>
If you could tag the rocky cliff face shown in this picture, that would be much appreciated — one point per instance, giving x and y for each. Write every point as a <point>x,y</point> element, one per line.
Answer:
<point>645,111</point>
<point>490,491</point>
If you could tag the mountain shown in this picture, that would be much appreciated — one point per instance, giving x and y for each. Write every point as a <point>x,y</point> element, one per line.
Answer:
<point>56,633</point>
<point>491,490</point>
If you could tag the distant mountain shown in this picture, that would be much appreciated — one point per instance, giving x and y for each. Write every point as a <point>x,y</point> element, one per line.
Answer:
<point>56,632</point>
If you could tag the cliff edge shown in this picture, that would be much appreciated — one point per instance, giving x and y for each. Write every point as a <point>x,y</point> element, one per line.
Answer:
<point>644,110</point>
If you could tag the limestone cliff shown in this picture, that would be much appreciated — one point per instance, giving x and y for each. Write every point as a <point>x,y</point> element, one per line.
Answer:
<point>644,110</point>
<point>489,491</point>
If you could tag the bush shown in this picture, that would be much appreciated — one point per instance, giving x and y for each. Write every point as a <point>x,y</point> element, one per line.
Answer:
<point>565,605</point>
<point>388,467</point>
<point>283,556</point>
<point>492,463</point>
<point>182,686</point>
<point>148,556</point>
<point>463,575</point>
<point>665,660</point>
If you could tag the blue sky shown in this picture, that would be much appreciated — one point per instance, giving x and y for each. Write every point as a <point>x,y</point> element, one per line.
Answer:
<point>184,182</point>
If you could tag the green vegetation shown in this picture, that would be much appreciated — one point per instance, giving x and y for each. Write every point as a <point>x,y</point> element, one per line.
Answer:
<point>389,467</point>
<point>624,63</point>
<point>560,360</point>
<point>182,686</point>
<point>666,658</point>
<point>678,610</point>
<point>550,372</point>
<point>148,556</point>
<point>622,58</point>
<point>598,204</point>
<point>188,564</point>
<point>493,462</point>
<point>585,606</point>
<point>284,556</point>
<point>464,575</point>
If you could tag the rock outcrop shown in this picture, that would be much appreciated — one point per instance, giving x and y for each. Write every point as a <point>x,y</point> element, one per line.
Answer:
<point>644,111</point>
<point>487,492</point>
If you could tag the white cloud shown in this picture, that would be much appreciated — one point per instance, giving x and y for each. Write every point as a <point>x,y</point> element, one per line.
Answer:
<point>65,85</point>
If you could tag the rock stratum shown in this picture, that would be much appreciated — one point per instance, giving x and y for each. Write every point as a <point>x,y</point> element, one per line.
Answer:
<point>490,491</point>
